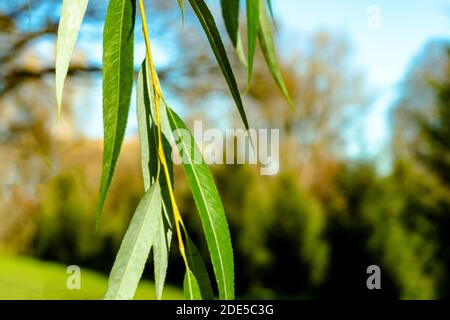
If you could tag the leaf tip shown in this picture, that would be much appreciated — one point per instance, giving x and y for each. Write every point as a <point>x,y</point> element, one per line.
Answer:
<point>291,103</point>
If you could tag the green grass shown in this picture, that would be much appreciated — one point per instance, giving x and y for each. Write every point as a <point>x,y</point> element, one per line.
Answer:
<point>27,278</point>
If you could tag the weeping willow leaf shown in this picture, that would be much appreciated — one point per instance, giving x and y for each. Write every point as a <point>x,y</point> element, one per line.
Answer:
<point>146,128</point>
<point>135,248</point>
<point>147,83</point>
<point>72,13</point>
<point>118,76</point>
<point>198,268</point>
<point>209,205</point>
<point>252,34</point>
<point>145,107</point>
<point>209,26</point>
<point>161,246</point>
<point>191,288</point>
<point>268,49</point>
<point>161,250</point>
<point>230,14</point>
<point>240,51</point>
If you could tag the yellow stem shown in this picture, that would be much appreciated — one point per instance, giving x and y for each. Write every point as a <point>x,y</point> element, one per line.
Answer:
<point>161,154</point>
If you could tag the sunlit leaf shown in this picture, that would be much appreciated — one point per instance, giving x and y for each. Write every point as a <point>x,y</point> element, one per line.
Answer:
<point>268,48</point>
<point>72,13</point>
<point>240,51</point>
<point>252,34</point>
<point>118,39</point>
<point>135,248</point>
<point>209,206</point>
<point>190,287</point>
<point>209,26</point>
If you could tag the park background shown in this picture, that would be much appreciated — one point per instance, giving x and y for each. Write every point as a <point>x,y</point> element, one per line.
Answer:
<point>364,164</point>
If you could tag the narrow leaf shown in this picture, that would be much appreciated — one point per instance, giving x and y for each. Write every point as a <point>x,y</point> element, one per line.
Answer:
<point>209,26</point>
<point>146,128</point>
<point>147,84</point>
<point>198,268</point>
<point>72,13</point>
<point>135,248</point>
<point>191,288</point>
<point>252,34</point>
<point>268,48</point>
<point>240,51</point>
<point>209,205</point>
<point>118,73</point>
<point>161,250</point>
<point>230,14</point>
<point>145,107</point>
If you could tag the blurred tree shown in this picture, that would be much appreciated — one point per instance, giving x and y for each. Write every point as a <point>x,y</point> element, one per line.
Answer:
<point>435,151</point>
<point>65,223</point>
<point>27,117</point>
<point>279,223</point>
<point>434,154</point>
<point>329,93</point>
<point>422,149</point>
<point>278,231</point>
<point>417,98</point>
<point>29,130</point>
<point>403,233</point>
<point>349,232</point>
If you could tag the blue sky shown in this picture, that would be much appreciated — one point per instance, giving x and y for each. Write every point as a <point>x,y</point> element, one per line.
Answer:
<point>382,49</point>
<point>384,53</point>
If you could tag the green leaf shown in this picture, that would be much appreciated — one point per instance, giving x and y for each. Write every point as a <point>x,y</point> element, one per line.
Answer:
<point>118,73</point>
<point>198,268</point>
<point>161,250</point>
<point>240,51</point>
<point>135,248</point>
<point>209,205</point>
<point>72,13</point>
<point>145,107</point>
<point>209,26</point>
<point>230,14</point>
<point>147,130</point>
<point>191,288</point>
<point>268,50</point>
<point>252,34</point>
<point>149,108</point>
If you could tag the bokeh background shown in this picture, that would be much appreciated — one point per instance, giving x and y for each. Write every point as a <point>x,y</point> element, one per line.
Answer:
<point>365,162</point>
